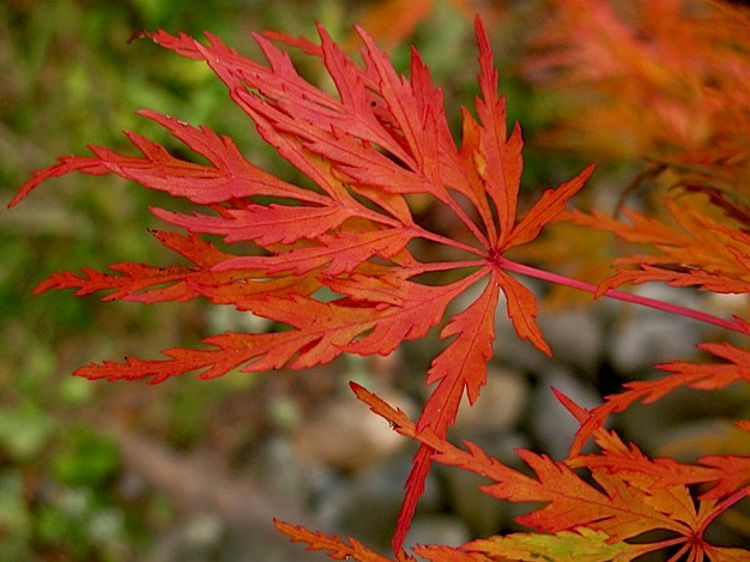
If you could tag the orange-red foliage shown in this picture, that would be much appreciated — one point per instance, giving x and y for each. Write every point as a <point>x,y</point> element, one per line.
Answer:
<point>382,138</point>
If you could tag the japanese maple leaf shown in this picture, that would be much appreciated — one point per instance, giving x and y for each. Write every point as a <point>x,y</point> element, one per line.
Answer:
<point>706,377</point>
<point>578,520</point>
<point>382,138</point>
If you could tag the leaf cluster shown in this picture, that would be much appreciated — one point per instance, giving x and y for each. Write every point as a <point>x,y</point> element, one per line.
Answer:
<point>350,231</point>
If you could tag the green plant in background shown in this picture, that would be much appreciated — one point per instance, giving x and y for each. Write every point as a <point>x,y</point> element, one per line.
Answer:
<point>70,77</point>
<point>335,264</point>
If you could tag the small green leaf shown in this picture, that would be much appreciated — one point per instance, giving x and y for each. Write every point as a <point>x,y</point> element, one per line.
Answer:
<point>582,545</point>
<point>24,430</point>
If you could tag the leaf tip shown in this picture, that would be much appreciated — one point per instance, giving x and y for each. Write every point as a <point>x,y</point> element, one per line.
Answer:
<point>479,29</point>
<point>137,35</point>
<point>578,412</point>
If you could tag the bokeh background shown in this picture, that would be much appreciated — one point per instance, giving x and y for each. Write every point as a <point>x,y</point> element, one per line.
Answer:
<point>191,470</point>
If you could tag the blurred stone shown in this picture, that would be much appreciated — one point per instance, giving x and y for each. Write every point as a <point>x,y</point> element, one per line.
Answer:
<point>367,504</point>
<point>131,486</point>
<point>196,539</point>
<point>240,546</point>
<point>224,318</point>
<point>646,336</point>
<point>482,513</point>
<point>575,335</point>
<point>346,435</point>
<point>203,538</point>
<point>553,425</point>
<point>500,403</point>
<point>437,529</point>
<point>203,530</point>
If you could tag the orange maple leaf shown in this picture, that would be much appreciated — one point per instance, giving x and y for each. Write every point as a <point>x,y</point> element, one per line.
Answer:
<point>665,80</point>
<point>336,548</point>
<point>632,495</point>
<point>383,137</point>
<point>683,374</point>
<point>695,251</point>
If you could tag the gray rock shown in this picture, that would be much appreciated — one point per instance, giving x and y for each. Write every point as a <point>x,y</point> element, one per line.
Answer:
<point>482,513</point>
<point>499,406</point>
<point>644,336</point>
<point>437,529</point>
<point>576,335</point>
<point>346,435</point>
<point>553,425</point>
<point>366,506</point>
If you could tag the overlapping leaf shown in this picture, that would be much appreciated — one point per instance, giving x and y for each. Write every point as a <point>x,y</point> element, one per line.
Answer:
<point>695,251</point>
<point>726,474</point>
<point>582,545</point>
<point>656,79</point>
<point>383,136</point>
<point>632,495</point>
<point>685,374</point>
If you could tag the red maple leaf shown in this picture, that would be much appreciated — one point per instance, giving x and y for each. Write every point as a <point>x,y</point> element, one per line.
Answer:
<point>383,137</point>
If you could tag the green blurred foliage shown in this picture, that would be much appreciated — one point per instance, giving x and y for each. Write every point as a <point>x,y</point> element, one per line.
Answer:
<point>71,78</point>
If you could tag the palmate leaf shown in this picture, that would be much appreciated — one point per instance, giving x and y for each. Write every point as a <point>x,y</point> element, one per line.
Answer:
<point>728,475</point>
<point>607,520</point>
<point>382,137</point>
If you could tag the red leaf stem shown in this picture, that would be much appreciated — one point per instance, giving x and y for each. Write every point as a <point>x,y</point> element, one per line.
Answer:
<point>736,325</point>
